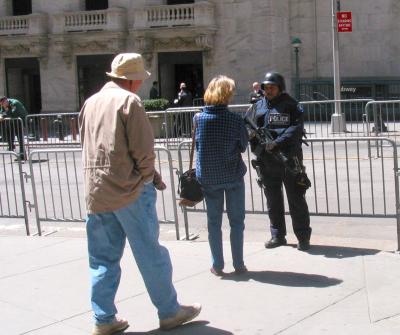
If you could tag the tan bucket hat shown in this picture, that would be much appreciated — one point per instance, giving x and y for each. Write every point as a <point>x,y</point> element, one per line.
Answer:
<point>128,66</point>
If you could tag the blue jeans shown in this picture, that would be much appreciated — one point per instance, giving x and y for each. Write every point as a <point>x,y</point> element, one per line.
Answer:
<point>235,207</point>
<point>107,233</point>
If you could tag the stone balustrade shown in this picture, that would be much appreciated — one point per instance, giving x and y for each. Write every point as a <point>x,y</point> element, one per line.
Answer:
<point>33,24</point>
<point>196,14</point>
<point>93,20</point>
<point>112,19</point>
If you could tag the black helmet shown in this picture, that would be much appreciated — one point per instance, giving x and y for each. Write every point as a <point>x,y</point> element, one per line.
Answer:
<point>274,78</point>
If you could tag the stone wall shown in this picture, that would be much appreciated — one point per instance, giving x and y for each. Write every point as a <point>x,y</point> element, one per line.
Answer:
<point>252,37</point>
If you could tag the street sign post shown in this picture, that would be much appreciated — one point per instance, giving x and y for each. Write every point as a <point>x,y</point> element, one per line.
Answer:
<point>344,22</point>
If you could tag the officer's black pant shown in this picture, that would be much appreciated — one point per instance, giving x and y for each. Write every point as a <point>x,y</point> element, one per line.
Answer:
<point>274,179</point>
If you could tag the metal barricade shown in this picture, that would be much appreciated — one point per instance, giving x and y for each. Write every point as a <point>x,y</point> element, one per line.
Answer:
<point>177,124</point>
<point>383,118</point>
<point>58,190</point>
<point>12,195</point>
<point>346,180</point>
<point>57,185</point>
<point>317,117</point>
<point>52,130</point>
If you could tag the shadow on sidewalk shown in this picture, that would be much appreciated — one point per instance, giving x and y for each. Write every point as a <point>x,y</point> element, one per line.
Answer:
<point>191,328</point>
<point>285,278</point>
<point>340,252</point>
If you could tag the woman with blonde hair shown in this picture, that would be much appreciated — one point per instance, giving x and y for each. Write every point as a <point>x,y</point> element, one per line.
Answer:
<point>221,137</point>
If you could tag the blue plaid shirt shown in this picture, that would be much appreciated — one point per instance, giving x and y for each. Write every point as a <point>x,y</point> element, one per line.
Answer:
<point>221,137</point>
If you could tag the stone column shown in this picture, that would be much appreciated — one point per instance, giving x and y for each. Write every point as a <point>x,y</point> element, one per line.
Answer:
<point>59,85</point>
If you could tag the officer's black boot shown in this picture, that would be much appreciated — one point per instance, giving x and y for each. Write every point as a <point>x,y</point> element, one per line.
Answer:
<point>304,241</point>
<point>275,242</point>
<point>303,245</point>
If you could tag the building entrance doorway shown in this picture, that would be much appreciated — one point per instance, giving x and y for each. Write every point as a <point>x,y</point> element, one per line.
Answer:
<point>23,82</point>
<point>177,67</point>
<point>92,74</point>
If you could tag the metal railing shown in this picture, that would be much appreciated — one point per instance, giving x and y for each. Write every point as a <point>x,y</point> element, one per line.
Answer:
<point>175,124</point>
<point>52,130</point>
<point>12,195</point>
<point>346,179</point>
<point>57,185</point>
<point>383,118</point>
<point>317,117</point>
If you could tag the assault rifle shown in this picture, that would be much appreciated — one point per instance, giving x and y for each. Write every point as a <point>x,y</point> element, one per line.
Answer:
<point>263,137</point>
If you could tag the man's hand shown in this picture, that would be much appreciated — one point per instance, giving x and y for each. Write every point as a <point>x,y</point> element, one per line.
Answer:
<point>158,183</point>
<point>270,146</point>
<point>1,118</point>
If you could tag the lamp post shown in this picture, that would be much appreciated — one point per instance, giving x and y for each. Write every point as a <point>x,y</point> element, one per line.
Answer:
<point>296,43</point>
<point>338,123</point>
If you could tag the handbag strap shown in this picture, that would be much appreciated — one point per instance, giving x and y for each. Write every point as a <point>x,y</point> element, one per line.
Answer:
<point>193,140</point>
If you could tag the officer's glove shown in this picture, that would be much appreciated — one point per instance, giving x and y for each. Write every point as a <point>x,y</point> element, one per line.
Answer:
<point>252,134</point>
<point>302,181</point>
<point>270,146</point>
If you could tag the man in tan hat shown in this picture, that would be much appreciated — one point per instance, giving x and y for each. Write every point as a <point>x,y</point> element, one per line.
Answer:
<point>120,181</point>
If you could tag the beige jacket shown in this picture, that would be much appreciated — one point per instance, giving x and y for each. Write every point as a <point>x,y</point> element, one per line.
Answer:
<point>118,148</point>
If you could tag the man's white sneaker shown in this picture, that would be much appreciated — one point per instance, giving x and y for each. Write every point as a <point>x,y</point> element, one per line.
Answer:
<point>184,314</point>
<point>118,325</point>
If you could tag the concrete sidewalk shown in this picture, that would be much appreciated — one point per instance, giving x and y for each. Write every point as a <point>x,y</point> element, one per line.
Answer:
<point>44,289</point>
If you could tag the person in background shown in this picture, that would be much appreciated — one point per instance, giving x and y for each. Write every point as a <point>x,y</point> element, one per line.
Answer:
<point>182,119</point>
<point>256,94</point>
<point>120,183</point>
<point>154,91</point>
<point>12,109</point>
<point>185,98</point>
<point>221,138</point>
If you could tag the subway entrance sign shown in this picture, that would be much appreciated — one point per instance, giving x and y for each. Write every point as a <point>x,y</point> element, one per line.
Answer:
<point>344,22</point>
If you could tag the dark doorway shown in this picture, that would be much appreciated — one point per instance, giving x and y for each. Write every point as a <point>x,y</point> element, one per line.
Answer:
<point>22,7</point>
<point>96,4</point>
<point>178,2</point>
<point>23,82</point>
<point>177,67</point>
<point>192,76</point>
<point>92,74</point>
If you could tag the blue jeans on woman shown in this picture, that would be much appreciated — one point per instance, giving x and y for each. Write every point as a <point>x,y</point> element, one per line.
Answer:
<point>235,208</point>
<point>107,233</point>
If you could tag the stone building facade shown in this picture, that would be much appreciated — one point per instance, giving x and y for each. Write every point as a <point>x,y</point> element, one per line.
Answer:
<point>53,54</point>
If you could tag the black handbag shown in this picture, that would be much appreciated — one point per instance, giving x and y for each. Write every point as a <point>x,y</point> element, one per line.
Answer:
<point>189,187</point>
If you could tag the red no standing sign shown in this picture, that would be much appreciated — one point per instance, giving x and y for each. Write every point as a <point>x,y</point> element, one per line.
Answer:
<point>344,23</point>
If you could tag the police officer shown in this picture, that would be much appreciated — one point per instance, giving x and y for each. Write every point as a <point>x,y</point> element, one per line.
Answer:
<point>282,115</point>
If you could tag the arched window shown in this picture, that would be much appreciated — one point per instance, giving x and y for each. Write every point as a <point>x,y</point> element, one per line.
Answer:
<point>22,7</point>
<point>96,4</point>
